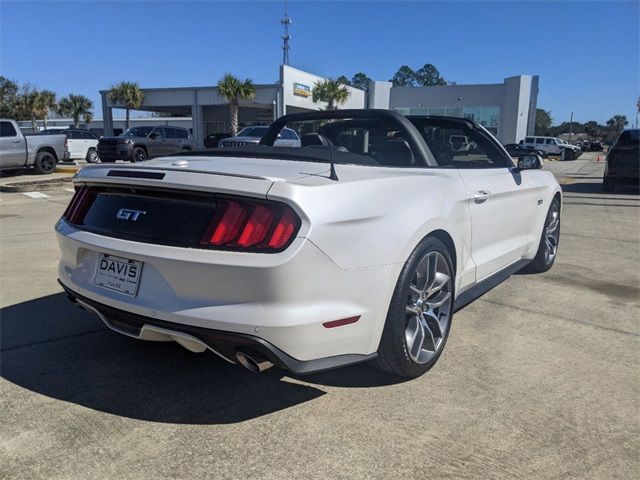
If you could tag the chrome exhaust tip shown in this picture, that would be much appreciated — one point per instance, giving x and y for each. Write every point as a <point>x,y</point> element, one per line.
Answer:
<point>254,362</point>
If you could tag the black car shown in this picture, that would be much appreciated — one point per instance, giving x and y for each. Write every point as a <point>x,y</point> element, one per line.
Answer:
<point>516,150</point>
<point>596,147</point>
<point>211,141</point>
<point>623,161</point>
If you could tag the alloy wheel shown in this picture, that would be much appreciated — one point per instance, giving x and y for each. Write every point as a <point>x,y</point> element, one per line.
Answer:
<point>552,233</point>
<point>429,307</point>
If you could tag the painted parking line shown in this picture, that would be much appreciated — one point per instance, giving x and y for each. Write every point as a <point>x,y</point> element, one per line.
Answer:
<point>35,194</point>
<point>70,190</point>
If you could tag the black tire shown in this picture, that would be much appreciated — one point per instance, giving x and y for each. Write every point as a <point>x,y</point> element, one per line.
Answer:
<point>45,163</point>
<point>544,259</point>
<point>568,154</point>
<point>139,154</point>
<point>395,355</point>
<point>92,156</point>
<point>608,184</point>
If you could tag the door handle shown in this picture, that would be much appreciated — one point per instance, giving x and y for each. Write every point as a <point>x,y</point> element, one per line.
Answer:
<point>16,141</point>
<point>481,196</point>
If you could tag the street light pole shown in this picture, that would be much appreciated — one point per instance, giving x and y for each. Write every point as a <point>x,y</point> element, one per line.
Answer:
<point>570,127</point>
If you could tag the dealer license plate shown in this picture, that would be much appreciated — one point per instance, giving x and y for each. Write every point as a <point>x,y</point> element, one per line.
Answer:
<point>119,274</point>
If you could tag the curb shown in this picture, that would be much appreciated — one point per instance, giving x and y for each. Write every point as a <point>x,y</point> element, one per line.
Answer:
<point>69,169</point>
<point>34,186</point>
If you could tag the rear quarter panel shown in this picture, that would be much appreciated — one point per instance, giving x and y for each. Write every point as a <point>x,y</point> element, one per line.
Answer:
<point>37,142</point>
<point>380,220</point>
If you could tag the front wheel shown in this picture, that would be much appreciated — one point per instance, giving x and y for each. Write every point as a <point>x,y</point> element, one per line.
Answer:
<point>420,314</point>
<point>139,154</point>
<point>45,163</point>
<point>568,154</point>
<point>548,247</point>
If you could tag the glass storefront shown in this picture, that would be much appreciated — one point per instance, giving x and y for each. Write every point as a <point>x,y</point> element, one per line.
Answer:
<point>488,117</point>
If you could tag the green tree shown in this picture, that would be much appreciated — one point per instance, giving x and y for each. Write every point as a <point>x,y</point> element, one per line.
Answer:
<point>616,124</point>
<point>343,80</point>
<point>233,90</point>
<point>429,75</point>
<point>129,95</point>
<point>404,77</point>
<point>332,92</point>
<point>361,81</point>
<point>543,121</point>
<point>75,106</point>
<point>8,97</point>
<point>87,117</point>
<point>44,101</point>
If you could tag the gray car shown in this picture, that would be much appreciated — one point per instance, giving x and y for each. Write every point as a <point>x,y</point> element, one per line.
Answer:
<point>252,136</point>
<point>141,143</point>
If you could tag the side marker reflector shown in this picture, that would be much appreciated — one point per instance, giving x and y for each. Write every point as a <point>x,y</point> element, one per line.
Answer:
<point>341,322</point>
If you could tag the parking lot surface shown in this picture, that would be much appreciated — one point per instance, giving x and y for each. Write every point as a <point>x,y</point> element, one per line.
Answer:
<point>539,378</point>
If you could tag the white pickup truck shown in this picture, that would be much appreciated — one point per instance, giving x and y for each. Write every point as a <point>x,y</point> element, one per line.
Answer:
<point>41,152</point>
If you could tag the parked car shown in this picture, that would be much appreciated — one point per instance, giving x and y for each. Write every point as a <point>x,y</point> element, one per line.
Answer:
<point>596,147</point>
<point>41,152</point>
<point>623,161</point>
<point>314,257</point>
<point>516,150</point>
<point>82,144</point>
<point>252,136</point>
<point>212,140</point>
<point>141,143</point>
<point>553,146</point>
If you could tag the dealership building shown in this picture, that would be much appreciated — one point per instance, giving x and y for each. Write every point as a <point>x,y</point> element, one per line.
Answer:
<point>506,109</point>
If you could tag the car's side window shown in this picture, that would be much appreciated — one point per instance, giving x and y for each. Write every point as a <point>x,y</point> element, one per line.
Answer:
<point>88,135</point>
<point>179,133</point>
<point>528,140</point>
<point>539,141</point>
<point>288,134</point>
<point>160,133</point>
<point>550,141</point>
<point>7,129</point>
<point>461,147</point>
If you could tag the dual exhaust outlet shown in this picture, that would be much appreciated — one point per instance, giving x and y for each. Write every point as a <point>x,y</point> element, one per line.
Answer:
<point>253,361</point>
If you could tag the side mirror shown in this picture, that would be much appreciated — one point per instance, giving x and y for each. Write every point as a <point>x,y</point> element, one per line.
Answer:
<point>529,161</point>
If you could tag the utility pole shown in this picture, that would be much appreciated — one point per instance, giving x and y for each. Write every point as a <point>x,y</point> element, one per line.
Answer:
<point>285,21</point>
<point>570,127</point>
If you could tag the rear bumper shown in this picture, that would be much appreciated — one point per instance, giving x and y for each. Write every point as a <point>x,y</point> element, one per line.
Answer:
<point>282,299</point>
<point>224,344</point>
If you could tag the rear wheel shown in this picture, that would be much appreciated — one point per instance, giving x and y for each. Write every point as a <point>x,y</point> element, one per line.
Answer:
<point>548,247</point>
<point>45,163</point>
<point>420,313</point>
<point>92,156</point>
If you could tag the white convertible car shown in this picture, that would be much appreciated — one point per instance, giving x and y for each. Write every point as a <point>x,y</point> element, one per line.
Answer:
<point>358,245</point>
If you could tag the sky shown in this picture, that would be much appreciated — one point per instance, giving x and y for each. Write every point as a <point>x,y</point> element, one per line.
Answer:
<point>586,53</point>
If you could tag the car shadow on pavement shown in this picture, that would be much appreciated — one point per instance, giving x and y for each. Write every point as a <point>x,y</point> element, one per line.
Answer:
<point>56,349</point>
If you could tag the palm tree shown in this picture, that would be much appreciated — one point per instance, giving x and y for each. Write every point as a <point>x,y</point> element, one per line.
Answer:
<point>88,117</point>
<point>75,106</point>
<point>234,90</point>
<point>617,124</point>
<point>44,102</point>
<point>127,94</point>
<point>331,91</point>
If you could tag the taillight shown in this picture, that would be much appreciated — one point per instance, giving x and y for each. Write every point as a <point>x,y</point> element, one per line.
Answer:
<point>241,224</point>
<point>79,206</point>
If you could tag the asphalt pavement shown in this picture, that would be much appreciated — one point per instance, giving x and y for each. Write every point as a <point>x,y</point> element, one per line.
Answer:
<point>539,378</point>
